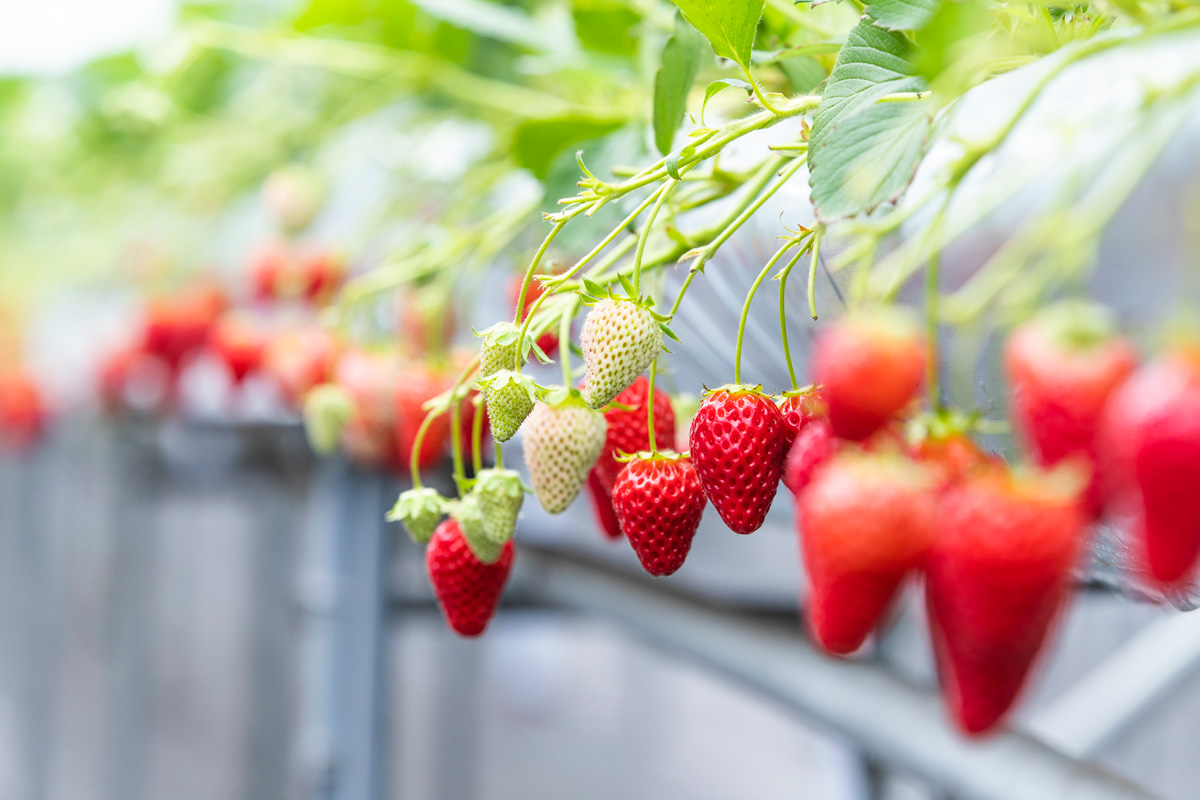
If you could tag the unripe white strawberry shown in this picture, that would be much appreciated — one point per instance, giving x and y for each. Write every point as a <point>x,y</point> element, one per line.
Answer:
<point>620,339</point>
<point>509,397</point>
<point>499,349</point>
<point>563,438</point>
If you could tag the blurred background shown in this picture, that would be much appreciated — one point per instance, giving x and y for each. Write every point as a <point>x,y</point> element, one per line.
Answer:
<point>208,209</point>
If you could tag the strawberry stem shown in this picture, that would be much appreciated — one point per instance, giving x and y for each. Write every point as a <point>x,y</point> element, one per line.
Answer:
<point>650,406</point>
<point>533,265</point>
<point>783,334</point>
<point>477,436</point>
<point>645,234</point>
<point>414,462</point>
<point>737,356</point>
<point>812,274</point>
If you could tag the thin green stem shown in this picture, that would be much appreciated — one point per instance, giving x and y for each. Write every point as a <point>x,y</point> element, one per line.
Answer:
<point>650,406</point>
<point>414,461</point>
<point>645,234</point>
<point>415,457</point>
<point>783,334</point>
<point>812,274</point>
<point>533,265</point>
<point>477,435</point>
<point>762,99</point>
<point>762,274</point>
<point>456,442</point>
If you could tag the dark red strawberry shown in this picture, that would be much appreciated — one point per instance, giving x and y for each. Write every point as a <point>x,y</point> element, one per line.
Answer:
<point>813,444</point>
<point>996,578</point>
<point>1151,444</point>
<point>736,444</point>
<point>602,506</point>
<point>23,411</point>
<point>798,409</point>
<point>870,368</point>
<point>467,589</point>
<point>866,520</point>
<point>659,501</point>
<point>1063,366</point>
<point>628,431</point>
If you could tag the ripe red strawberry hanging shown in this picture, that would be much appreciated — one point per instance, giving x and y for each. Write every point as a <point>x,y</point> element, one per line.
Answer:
<point>736,445</point>
<point>659,501</point>
<point>627,427</point>
<point>620,340</point>
<point>1063,365</point>
<point>1151,449</point>
<point>562,439</point>
<point>467,589</point>
<point>870,368</point>
<point>866,520</point>
<point>995,580</point>
<point>602,507</point>
<point>814,443</point>
<point>799,408</point>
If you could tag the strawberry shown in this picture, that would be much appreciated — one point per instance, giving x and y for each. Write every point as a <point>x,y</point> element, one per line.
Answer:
<point>327,410</point>
<point>563,439</point>
<point>620,339</point>
<point>177,325</point>
<point>1151,451</point>
<point>814,443</point>
<point>628,431</point>
<point>498,350</point>
<point>659,501</point>
<point>239,343</point>
<point>952,455</point>
<point>419,510</point>
<point>602,506</point>
<point>736,444</point>
<point>799,408</point>
<point>996,578</point>
<point>270,263</point>
<point>866,520</point>
<point>548,341</point>
<point>468,513</point>
<point>467,589</point>
<point>426,321</point>
<point>510,397</point>
<point>322,273</point>
<point>870,369</point>
<point>300,359</point>
<point>1063,365</point>
<point>415,385</point>
<point>23,411</point>
<point>500,496</point>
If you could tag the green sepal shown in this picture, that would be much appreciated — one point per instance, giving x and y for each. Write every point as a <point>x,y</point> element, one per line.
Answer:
<point>500,495</point>
<point>468,513</point>
<point>419,511</point>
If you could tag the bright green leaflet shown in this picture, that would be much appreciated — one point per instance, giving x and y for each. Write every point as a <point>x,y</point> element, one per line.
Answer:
<point>680,63</point>
<point>729,25</point>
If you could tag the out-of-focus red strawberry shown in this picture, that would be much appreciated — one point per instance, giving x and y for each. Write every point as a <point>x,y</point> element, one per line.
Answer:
<point>952,457</point>
<point>369,379</point>
<point>425,322</point>
<point>23,411</point>
<point>548,341</point>
<point>299,359</point>
<point>416,384</point>
<point>239,342</point>
<point>176,325</point>
<point>269,264</point>
<point>324,272</point>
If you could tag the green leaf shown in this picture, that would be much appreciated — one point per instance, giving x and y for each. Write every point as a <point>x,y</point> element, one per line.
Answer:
<point>719,85</point>
<point>673,81</point>
<point>537,142</point>
<point>877,146</point>
<point>729,25</point>
<point>902,15</point>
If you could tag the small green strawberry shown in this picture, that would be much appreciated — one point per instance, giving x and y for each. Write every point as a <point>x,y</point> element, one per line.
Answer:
<point>468,513</point>
<point>419,510</point>
<point>500,496</point>
<point>499,349</point>
<point>327,409</point>
<point>563,439</point>
<point>620,340</point>
<point>509,397</point>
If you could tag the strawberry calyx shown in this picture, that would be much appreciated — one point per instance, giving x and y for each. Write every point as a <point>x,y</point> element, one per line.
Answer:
<point>736,389</point>
<point>504,336</point>
<point>593,293</point>
<point>646,455</point>
<point>562,396</point>
<point>1076,325</point>
<point>803,391</point>
<point>419,510</point>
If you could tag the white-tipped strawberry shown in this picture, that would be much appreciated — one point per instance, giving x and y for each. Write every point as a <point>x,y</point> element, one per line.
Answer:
<point>621,338</point>
<point>419,511</point>
<point>563,438</point>
<point>509,397</point>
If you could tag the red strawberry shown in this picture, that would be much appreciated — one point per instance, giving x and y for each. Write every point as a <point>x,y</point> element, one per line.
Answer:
<point>548,341</point>
<point>870,369</point>
<point>1152,451</point>
<point>953,456</point>
<point>866,520</point>
<point>22,409</point>
<point>736,444</point>
<point>239,343</point>
<point>602,505</point>
<point>415,385</point>
<point>425,321</point>
<point>300,359</point>
<point>995,581</point>
<point>367,379</point>
<point>177,325</point>
<point>323,273</point>
<point>798,409</point>
<point>269,264</point>
<point>628,431</point>
<point>659,502</point>
<point>467,589</point>
<point>813,444</point>
<point>1063,367</point>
